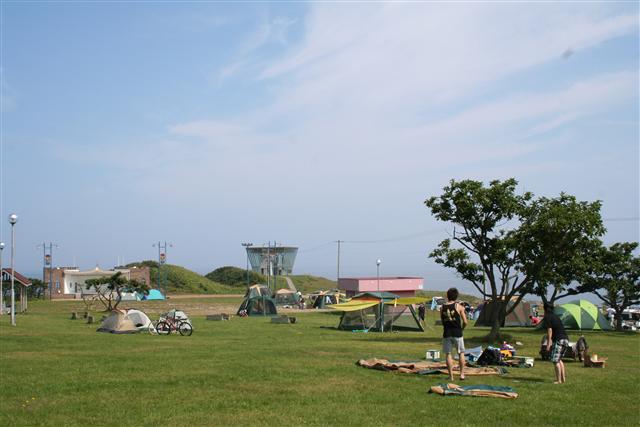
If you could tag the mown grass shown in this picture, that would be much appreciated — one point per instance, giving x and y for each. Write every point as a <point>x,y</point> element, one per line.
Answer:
<point>56,371</point>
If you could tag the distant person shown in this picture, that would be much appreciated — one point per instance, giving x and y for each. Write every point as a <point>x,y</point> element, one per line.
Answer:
<point>422,311</point>
<point>557,341</point>
<point>454,320</point>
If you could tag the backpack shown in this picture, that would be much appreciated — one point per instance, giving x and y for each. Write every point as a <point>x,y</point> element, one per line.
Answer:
<point>490,356</point>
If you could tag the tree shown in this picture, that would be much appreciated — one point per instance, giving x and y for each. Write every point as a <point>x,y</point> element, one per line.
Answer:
<point>109,289</point>
<point>559,238</point>
<point>514,243</point>
<point>482,216</point>
<point>234,276</point>
<point>37,288</point>
<point>615,278</point>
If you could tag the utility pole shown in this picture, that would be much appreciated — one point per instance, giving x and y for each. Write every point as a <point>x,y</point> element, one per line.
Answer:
<point>47,260</point>
<point>338,275</point>
<point>162,259</point>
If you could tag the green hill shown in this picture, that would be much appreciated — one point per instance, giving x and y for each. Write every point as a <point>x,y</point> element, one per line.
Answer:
<point>183,281</point>
<point>306,283</point>
<point>234,276</point>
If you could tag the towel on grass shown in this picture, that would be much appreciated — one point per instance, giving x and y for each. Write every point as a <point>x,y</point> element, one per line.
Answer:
<point>426,367</point>
<point>477,390</point>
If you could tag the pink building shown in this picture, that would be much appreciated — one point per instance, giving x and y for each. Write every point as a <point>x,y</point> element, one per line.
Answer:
<point>402,286</point>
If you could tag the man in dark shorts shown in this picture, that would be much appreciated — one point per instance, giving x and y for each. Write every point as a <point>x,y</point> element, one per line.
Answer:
<point>557,341</point>
<point>454,320</point>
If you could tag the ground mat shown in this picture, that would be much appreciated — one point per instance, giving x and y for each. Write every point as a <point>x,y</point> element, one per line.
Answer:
<point>477,390</point>
<point>426,367</point>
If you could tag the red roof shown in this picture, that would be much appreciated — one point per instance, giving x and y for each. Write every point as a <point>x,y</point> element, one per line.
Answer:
<point>18,277</point>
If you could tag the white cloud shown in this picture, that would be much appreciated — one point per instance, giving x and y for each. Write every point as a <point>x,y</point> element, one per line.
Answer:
<point>391,89</point>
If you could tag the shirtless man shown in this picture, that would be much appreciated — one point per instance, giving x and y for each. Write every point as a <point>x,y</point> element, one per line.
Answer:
<point>454,320</point>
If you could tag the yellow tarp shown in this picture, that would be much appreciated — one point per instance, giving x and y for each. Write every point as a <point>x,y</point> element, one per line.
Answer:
<point>408,301</point>
<point>353,305</point>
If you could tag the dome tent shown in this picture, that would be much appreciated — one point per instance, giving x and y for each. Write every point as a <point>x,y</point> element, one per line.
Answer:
<point>257,301</point>
<point>118,323</point>
<point>582,314</point>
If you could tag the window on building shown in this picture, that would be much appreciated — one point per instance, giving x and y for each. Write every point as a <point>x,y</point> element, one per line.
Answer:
<point>57,285</point>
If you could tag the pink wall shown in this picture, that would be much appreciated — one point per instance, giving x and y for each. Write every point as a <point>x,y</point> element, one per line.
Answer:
<point>405,285</point>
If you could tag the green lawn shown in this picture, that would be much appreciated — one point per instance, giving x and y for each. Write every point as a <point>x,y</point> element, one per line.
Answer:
<point>57,371</point>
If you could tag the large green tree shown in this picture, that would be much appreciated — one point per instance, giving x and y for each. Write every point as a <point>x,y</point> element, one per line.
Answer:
<point>508,245</point>
<point>558,242</point>
<point>485,221</point>
<point>615,278</point>
<point>109,289</point>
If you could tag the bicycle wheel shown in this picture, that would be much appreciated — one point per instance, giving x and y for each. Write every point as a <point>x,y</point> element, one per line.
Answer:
<point>185,329</point>
<point>163,328</point>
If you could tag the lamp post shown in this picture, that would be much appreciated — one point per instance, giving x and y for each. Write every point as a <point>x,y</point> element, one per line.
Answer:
<point>378,262</point>
<point>1,276</point>
<point>247,246</point>
<point>13,218</point>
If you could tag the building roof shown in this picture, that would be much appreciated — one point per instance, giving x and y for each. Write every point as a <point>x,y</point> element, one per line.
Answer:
<point>383,278</point>
<point>17,277</point>
<point>94,272</point>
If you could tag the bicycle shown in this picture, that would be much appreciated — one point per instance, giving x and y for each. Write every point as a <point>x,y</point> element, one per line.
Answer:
<point>167,325</point>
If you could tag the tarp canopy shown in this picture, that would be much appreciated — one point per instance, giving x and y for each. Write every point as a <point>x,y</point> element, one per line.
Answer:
<point>353,305</point>
<point>582,314</point>
<point>382,311</point>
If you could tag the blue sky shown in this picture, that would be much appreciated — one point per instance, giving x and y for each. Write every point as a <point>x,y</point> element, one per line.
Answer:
<point>212,124</point>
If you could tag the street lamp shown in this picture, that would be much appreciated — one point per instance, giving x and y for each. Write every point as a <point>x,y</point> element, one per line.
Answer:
<point>247,246</point>
<point>378,262</point>
<point>13,218</point>
<point>1,276</point>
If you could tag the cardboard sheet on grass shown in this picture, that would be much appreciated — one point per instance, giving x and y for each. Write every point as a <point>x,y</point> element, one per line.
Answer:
<point>477,390</point>
<point>424,367</point>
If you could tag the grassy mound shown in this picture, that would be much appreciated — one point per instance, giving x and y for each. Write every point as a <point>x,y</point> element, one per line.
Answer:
<point>234,276</point>
<point>184,281</point>
<point>307,284</point>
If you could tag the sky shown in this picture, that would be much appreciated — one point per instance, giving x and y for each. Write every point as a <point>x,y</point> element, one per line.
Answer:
<point>206,125</point>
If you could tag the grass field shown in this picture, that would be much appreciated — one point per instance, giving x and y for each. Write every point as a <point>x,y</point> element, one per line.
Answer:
<point>57,371</point>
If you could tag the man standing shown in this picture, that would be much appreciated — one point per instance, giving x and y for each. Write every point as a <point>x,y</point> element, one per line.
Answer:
<point>454,320</point>
<point>557,341</point>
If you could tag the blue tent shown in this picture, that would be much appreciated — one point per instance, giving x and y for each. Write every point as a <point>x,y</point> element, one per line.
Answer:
<point>154,294</point>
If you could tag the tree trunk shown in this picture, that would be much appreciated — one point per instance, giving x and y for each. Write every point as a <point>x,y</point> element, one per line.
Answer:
<point>618,318</point>
<point>497,315</point>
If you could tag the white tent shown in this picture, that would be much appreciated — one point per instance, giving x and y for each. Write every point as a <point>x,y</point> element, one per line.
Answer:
<point>118,323</point>
<point>139,319</point>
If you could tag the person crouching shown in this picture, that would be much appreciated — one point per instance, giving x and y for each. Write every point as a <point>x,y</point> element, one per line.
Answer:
<point>454,320</point>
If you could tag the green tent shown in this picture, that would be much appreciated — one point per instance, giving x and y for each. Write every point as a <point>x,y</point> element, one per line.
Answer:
<point>582,314</point>
<point>258,302</point>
